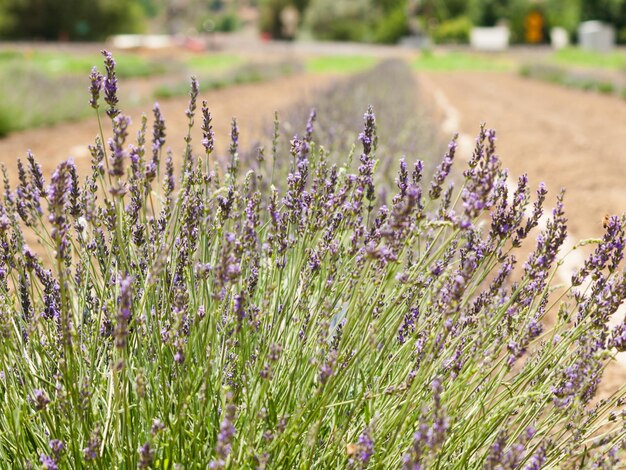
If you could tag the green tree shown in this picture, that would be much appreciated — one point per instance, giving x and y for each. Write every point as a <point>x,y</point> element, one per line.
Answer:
<point>69,19</point>
<point>564,13</point>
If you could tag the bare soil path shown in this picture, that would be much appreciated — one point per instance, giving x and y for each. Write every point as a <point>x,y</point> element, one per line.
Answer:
<point>253,105</point>
<point>566,138</point>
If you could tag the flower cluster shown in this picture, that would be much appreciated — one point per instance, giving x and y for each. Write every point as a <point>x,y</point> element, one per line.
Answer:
<point>303,310</point>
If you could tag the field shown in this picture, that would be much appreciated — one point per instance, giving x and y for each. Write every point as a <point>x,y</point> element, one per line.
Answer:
<point>359,286</point>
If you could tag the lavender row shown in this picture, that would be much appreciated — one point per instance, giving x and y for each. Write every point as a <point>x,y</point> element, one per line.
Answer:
<point>210,319</point>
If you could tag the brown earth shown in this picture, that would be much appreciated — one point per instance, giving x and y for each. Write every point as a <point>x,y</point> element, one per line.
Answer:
<point>564,137</point>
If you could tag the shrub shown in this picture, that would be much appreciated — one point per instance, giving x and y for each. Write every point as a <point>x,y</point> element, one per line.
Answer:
<point>340,20</point>
<point>392,26</point>
<point>454,31</point>
<point>223,325</point>
<point>63,19</point>
<point>606,88</point>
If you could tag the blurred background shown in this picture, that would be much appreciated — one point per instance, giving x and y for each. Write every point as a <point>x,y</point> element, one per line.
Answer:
<point>373,21</point>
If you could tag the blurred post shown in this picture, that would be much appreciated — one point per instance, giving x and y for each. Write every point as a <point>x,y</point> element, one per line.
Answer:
<point>534,27</point>
<point>289,18</point>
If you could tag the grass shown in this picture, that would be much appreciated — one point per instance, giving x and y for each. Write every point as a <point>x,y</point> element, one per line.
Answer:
<point>210,63</point>
<point>340,64</point>
<point>577,57</point>
<point>455,61</point>
<point>59,64</point>
<point>570,78</point>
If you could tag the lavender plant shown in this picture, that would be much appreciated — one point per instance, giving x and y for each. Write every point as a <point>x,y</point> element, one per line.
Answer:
<point>404,122</point>
<point>195,321</point>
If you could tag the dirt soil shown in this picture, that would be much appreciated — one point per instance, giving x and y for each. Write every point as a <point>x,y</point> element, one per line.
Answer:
<point>563,137</point>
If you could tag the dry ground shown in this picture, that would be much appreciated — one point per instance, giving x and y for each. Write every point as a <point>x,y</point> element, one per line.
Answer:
<point>564,137</point>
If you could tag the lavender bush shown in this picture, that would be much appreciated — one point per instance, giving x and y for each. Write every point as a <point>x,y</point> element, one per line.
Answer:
<point>405,124</point>
<point>196,321</point>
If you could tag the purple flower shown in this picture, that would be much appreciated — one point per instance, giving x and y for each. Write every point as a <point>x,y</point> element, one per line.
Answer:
<point>110,85</point>
<point>146,455</point>
<point>120,333</point>
<point>95,88</point>
<point>57,447</point>
<point>157,427</point>
<point>91,451</point>
<point>308,136</point>
<point>116,145</point>
<point>431,431</point>
<point>47,462</point>
<point>408,325</point>
<point>443,170</point>
<point>193,95</point>
<point>618,337</point>
<point>208,136</point>
<point>364,450</point>
<point>40,399</point>
<point>610,251</point>
<point>158,141</point>
<point>537,460</point>
<point>225,436</point>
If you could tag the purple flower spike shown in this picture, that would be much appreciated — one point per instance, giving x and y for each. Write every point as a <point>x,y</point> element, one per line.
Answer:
<point>443,170</point>
<point>116,145</point>
<point>363,451</point>
<point>124,312</point>
<point>110,85</point>
<point>47,462</point>
<point>95,88</point>
<point>40,399</point>
<point>225,436</point>
<point>208,136</point>
<point>193,96</point>
<point>146,455</point>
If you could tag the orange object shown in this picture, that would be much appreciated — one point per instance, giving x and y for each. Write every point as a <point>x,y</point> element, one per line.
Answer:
<point>534,27</point>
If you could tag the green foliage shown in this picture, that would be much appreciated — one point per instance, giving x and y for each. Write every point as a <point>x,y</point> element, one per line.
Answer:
<point>341,20</point>
<point>209,63</point>
<point>6,117</point>
<point>37,99</point>
<point>392,26</point>
<point>382,21</point>
<point>564,13</point>
<point>575,56</point>
<point>340,64</point>
<point>442,10</point>
<point>69,19</point>
<point>454,31</point>
<point>586,81</point>
<point>59,64</point>
<point>453,61</point>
